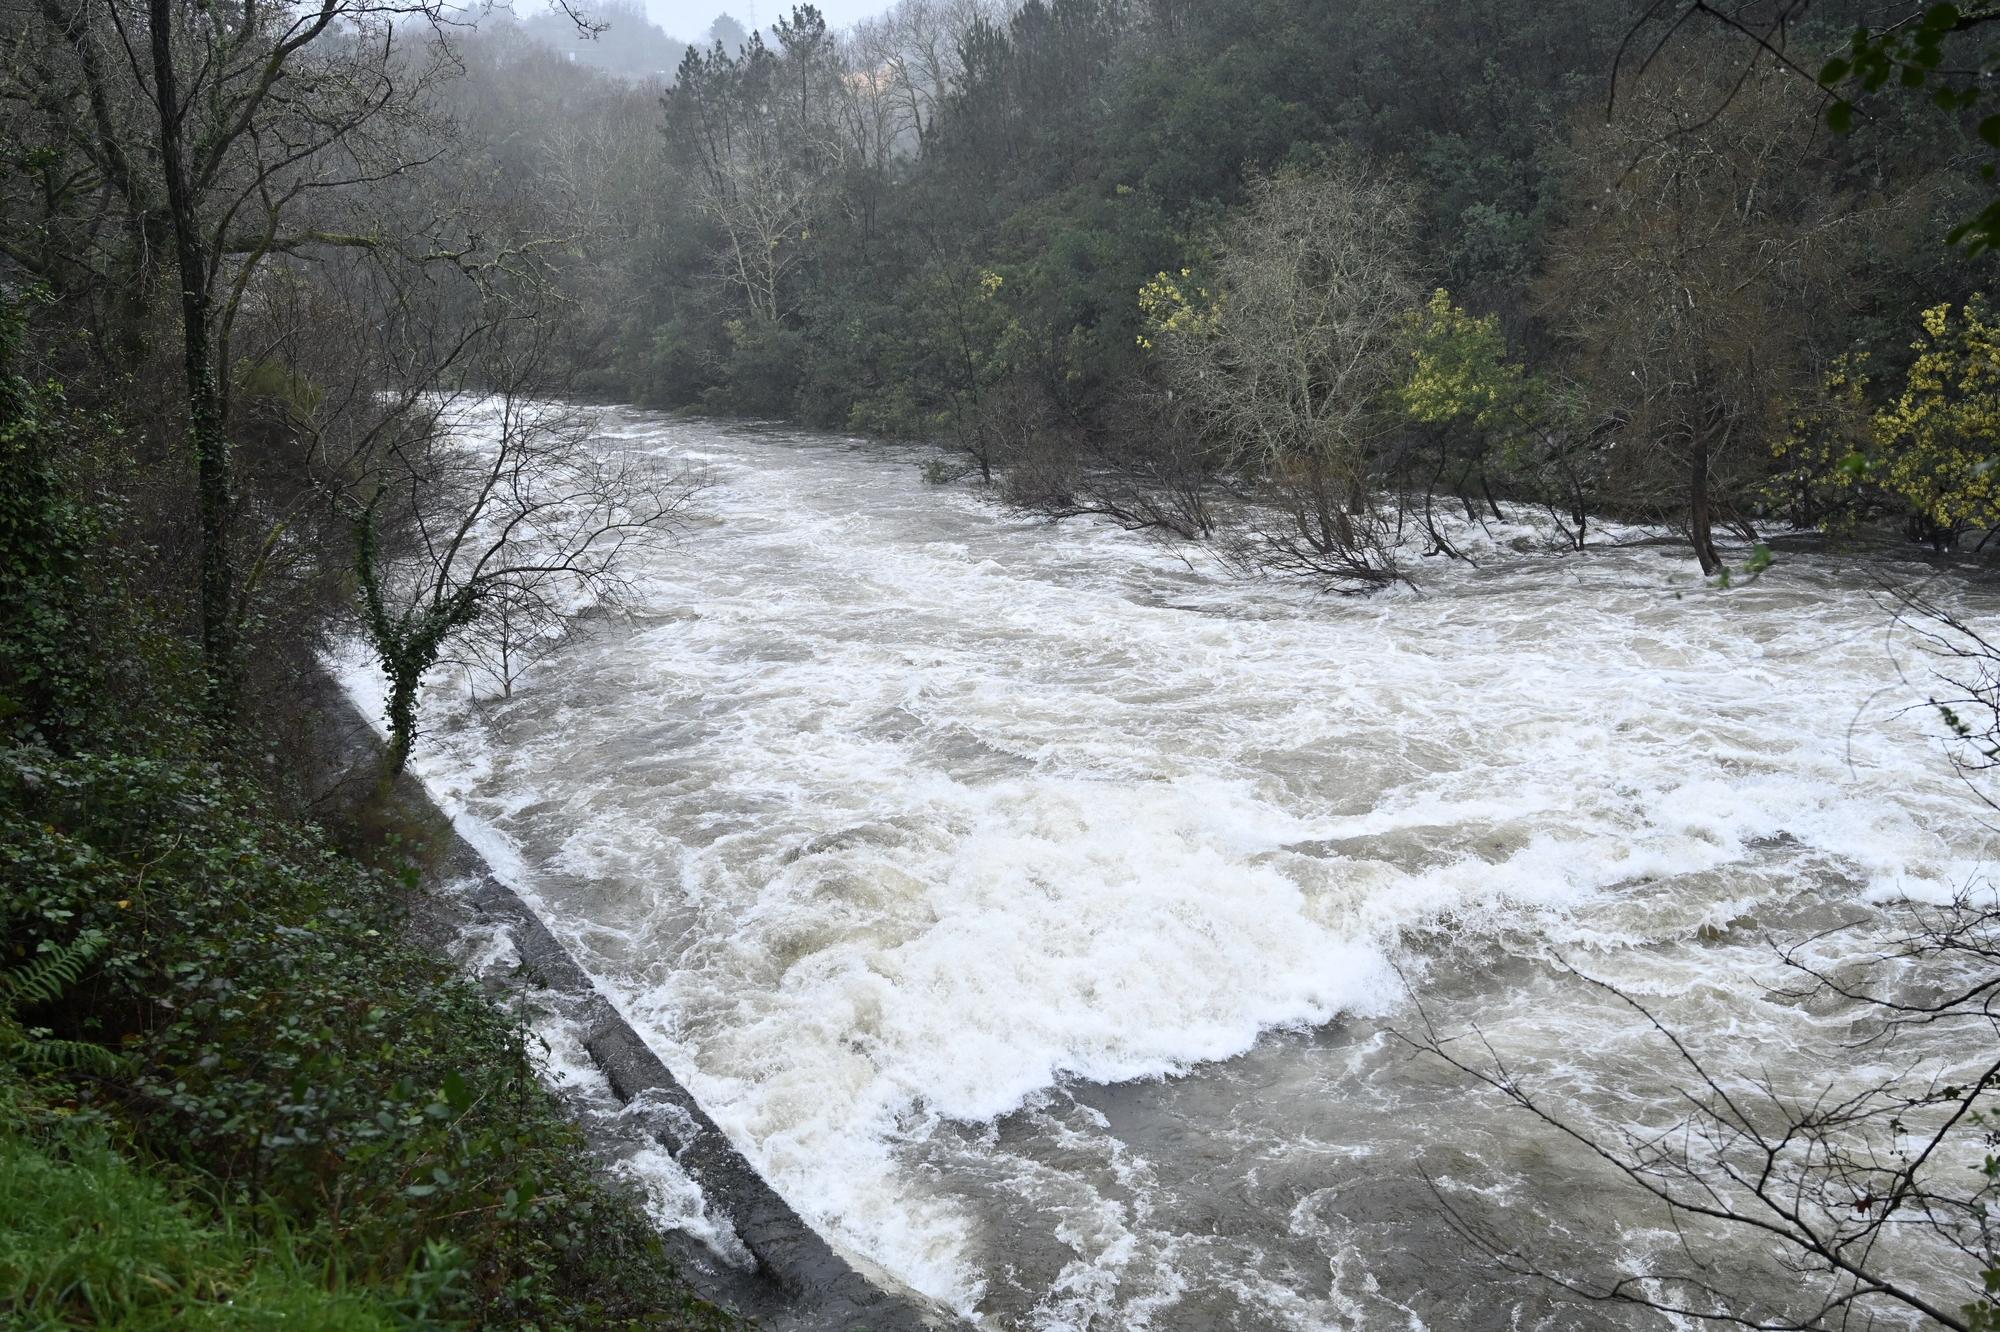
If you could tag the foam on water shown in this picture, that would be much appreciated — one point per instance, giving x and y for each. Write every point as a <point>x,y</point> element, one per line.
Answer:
<point>899,823</point>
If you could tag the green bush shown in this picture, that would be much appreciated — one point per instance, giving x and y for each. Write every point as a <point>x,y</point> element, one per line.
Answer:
<point>285,1044</point>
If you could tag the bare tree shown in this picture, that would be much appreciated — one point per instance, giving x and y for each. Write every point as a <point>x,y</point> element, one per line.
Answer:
<point>1713,233</point>
<point>910,57</point>
<point>505,518</point>
<point>514,636</point>
<point>230,147</point>
<point>1905,59</point>
<point>1285,370</point>
<point>1851,1192</point>
<point>1966,663</point>
<point>1154,474</point>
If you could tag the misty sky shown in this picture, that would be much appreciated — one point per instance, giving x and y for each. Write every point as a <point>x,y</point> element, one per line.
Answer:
<point>688,19</point>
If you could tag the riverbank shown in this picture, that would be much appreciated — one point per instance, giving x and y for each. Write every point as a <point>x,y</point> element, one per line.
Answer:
<point>747,1248</point>
<point>236,1086</point>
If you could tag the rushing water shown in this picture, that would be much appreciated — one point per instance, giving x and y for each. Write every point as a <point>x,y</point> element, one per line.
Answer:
<point>1033,905</point>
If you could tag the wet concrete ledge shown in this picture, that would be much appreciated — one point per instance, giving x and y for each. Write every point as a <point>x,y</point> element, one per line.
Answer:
<point>799,1282</point>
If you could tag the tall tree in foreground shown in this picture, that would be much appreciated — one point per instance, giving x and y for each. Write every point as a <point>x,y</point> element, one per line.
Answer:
<point>204,140</point>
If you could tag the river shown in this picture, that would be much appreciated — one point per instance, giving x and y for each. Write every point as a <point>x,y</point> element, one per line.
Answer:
<point>1035,904</point>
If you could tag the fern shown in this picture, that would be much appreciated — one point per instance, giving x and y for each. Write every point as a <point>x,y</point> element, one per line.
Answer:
<point>37,1052</point>
<point>43,980</point>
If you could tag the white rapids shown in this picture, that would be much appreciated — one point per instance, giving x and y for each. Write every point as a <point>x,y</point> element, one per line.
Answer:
<point>1033,904</point>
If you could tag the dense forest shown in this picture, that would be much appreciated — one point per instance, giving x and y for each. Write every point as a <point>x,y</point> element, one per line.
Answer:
<point>1327,286</point>
<point>1069,243</point>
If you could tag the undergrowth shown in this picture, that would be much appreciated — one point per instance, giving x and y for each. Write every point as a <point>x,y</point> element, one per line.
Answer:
<point>234,1090</point>
<point>233,1006</point>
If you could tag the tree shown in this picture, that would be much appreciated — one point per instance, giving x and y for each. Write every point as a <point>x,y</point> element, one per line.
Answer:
<point>758,133</point>
<point>52,676</point>
<point>727,35</point>
<point>1926,455</point>
<point>910,57</point>
<point>618,39</point>
<point>1703,253</point>
<point>209,136</point>
<point>1466,399</point>
<point>1285,355</point>
<point>1918,64</point>
<point>1823,456</point>
<point>1936,440</point>
<point>502,515</point>
<point>1152,473</point>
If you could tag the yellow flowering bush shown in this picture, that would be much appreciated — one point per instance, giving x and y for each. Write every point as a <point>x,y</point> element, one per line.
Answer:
<point>1933,452</point>
<point>1459,369</point>
<point>1937,441</point>
<point>1177,306</point>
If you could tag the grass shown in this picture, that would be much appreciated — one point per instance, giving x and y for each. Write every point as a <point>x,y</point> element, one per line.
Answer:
<point>92,1241</point>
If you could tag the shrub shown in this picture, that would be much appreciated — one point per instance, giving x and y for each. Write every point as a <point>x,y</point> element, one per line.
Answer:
<point>289,1046</point>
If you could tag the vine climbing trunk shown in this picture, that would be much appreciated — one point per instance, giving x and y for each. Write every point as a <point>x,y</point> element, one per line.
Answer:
<point>407,643</point>
<point>402,715</point>
<point>207,433</point>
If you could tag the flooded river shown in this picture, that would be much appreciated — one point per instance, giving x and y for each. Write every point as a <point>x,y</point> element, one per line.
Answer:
<point>1035,906</point>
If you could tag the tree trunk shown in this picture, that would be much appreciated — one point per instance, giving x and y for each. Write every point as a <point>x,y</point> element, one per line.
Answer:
<point>1700,522</point>
<point>1444,547</point>
<point>206,434</point>
<point>402,715</point>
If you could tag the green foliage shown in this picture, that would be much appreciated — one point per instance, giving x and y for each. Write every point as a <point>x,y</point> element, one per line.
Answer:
<point>1926,454</point>
<point>973,284</point>
<point>279,388</point>
<point>1177,306</point>
<point>1460,372</point>
<point>281,1038</point>
<point>91,1241</point>
<point>1753,568</point>
<point>1936,438</point>
<point>1076,157</point>
<point>407,640</point>
<point>233,1092</point>
<point>1936,50</point>
<point>38,981</point>
<point>762,371</point>
<point>1823,458</point>
<point>50,536</point>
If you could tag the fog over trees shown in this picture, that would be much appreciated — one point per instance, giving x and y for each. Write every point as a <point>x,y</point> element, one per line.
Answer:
<point>301,303</point>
